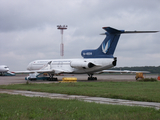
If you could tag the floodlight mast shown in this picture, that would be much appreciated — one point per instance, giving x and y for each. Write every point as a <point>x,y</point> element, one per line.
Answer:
<point>62,27</point>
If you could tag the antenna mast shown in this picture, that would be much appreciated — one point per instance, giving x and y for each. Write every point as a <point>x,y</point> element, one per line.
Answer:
<point>60,27</point>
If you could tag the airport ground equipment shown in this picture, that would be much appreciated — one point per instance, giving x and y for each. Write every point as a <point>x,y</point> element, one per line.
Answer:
<point>139,75</point>
<point>7,74</point>
<point>69,79</point>
<point>158,78</point>
<point>41,76</point>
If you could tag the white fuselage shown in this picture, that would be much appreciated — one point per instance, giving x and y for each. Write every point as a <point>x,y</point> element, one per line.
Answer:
<point>3,68</point>
<point>76,66</point>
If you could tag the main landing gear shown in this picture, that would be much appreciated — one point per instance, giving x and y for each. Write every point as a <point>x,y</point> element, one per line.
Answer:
<point>51,78</point>
<point>91,77</point>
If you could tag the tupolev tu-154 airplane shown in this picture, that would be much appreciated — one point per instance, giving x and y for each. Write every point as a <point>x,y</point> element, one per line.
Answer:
<point>93,61</point>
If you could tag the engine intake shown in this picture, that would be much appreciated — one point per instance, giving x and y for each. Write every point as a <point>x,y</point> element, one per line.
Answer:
<point>114,62</point>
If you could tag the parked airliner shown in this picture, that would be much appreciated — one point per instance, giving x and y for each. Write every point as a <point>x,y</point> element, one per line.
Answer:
<point>93,60</point>
<point>4,70</point>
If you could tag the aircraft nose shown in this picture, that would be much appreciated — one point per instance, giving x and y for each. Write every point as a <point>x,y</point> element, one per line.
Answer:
<point>29,66</point>
<point>5,68</point>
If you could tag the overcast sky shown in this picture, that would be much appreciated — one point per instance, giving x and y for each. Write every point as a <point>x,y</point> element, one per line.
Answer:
<point>28,30</point>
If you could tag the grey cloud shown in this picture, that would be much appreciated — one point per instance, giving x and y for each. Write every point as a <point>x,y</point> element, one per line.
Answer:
<point>28,29</point>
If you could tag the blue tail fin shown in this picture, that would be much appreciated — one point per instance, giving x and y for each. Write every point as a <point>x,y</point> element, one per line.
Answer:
<point>108,46</point>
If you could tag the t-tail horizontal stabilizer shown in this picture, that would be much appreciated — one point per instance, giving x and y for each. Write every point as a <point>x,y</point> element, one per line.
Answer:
<point>108,46</point>
<point>140,31</point>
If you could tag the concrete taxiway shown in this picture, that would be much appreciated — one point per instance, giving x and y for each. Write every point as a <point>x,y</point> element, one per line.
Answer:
<point>84,98</point>
<point>19,79</point>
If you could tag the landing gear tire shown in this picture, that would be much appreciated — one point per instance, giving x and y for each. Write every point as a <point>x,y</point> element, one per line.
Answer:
<point>92,78</point>
<point>53,79</point>
<point>32,79</point>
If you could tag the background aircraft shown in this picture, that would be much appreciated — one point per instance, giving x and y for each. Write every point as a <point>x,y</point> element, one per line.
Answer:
<point>93,60</point>
<point>4,70</point>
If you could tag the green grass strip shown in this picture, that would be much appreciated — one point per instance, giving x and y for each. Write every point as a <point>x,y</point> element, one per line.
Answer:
<point>17,107</point>
<point>139,91</point>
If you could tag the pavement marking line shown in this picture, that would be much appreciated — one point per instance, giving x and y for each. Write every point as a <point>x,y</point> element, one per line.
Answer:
<point>84,98</point>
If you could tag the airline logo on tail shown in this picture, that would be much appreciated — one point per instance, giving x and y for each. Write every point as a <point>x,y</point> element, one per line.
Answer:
<point>105,46</point>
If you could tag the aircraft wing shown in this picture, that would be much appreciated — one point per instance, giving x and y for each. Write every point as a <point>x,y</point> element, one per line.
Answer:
<point>121,71</point>
<point>139,72</point>
<point>22,72</point>
<point>54,71</point>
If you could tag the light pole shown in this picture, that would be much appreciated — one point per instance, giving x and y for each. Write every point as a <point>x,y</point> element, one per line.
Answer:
<point>62,27</point>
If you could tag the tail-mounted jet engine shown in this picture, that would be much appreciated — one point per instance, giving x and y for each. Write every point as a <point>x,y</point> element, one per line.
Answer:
<point>115,61</point>
<point>82,64</point>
